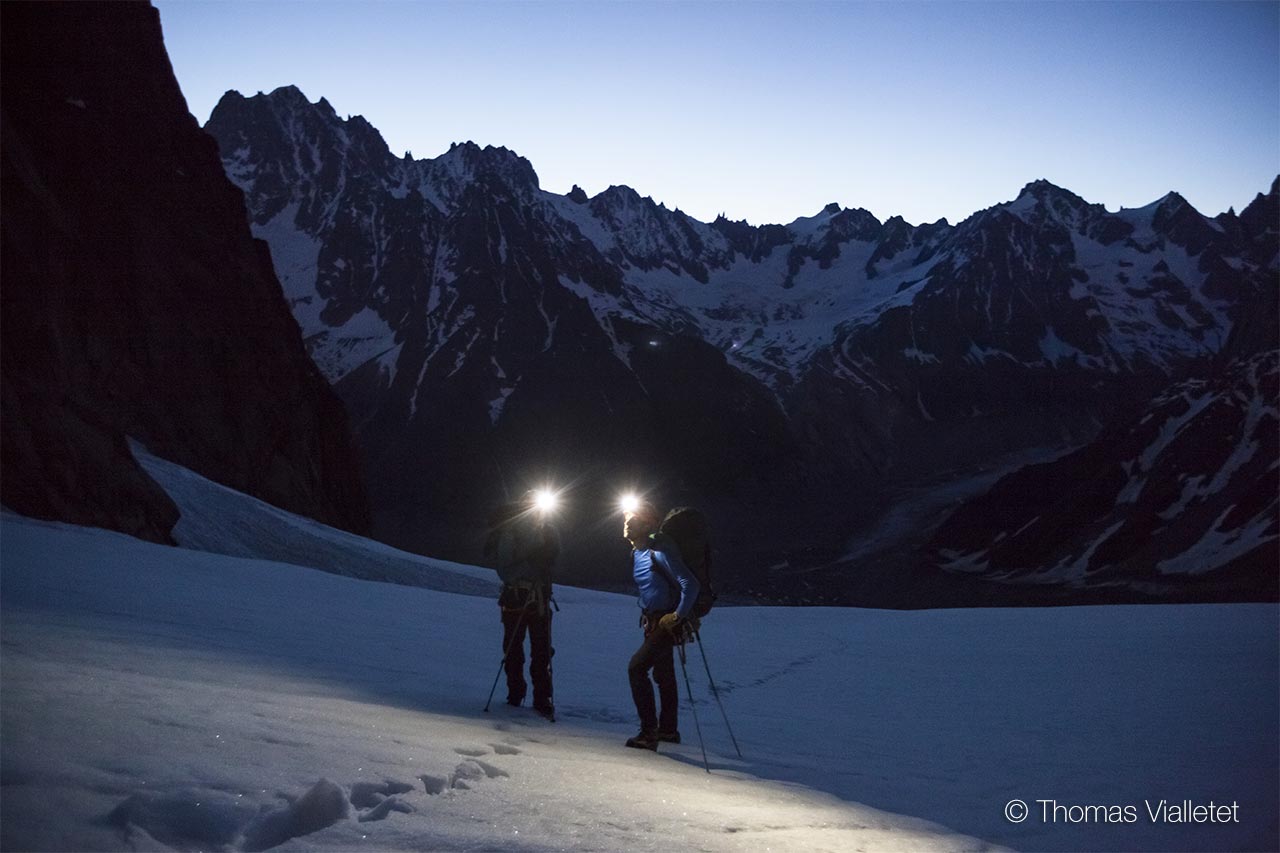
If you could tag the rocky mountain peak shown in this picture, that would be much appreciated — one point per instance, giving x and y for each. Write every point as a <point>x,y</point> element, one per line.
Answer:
<point>1261,219</point>
<point>1171,202</point>
<point>292,150</point>
<point>290,95</point>
<point>855,223</point>
<point>1043,204</point>
<point>1050,197</point>
<point>298,119</point>
<point>621,195</point>
<point>620,204</point>
<point>1042,187</point>
<point>1180,222</point>
<point>490,162</point>
<point>1264,206</point>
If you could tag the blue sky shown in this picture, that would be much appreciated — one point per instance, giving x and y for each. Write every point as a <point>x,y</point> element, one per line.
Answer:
<point>767,111</point>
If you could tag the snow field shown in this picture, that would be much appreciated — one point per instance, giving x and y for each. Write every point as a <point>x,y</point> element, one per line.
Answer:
<point>166,698</point>
<point>162,698</point>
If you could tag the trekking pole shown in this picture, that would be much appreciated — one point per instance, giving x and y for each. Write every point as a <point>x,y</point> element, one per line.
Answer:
<point>503,663</point>
<point>715,692</point>
<point>689,692</point>
<point>551,657</point>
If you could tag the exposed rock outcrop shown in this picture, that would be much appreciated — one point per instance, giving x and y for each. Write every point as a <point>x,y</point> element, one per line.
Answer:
<point>136,303</point>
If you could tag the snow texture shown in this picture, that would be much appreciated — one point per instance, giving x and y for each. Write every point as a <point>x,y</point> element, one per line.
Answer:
<point>168,698</point>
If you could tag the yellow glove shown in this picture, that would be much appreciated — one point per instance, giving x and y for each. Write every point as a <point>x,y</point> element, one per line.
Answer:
<point>672,624</point>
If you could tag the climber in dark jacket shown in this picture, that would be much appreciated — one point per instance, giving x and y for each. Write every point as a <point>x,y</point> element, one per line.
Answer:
<point>523,546</point>
<point>667,594</point>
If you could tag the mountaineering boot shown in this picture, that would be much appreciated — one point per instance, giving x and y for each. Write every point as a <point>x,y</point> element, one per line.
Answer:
<point>668,737</point>
<point>546,709</point>
<point>644,740</point>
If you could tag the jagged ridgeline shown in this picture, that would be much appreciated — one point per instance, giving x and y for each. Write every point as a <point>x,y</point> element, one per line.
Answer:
<point>487,335</point>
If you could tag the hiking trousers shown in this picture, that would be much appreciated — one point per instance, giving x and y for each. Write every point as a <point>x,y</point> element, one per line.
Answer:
<point>656,653</point>
<point>515,624</point>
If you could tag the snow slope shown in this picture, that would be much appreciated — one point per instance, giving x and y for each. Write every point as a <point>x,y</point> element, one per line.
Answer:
<point>158,698</point>
<point>224,521</point>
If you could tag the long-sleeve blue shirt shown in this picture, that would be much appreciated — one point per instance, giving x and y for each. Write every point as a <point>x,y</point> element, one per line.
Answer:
<point>665,583</point>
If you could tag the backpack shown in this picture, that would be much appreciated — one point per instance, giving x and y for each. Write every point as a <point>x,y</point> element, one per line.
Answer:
<point>687,528</point>
<point>523,554</point>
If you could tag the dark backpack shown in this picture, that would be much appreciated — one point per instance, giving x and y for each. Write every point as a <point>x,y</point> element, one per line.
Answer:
<point>523,555</point>
<point>687,528</point>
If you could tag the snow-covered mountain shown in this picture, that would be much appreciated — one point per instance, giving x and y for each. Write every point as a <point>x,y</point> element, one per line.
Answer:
<point>1182,500</point>
<point>166,698</point>
<point>485,333</point>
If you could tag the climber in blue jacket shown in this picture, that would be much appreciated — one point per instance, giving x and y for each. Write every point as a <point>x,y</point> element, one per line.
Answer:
<point>667,593</point>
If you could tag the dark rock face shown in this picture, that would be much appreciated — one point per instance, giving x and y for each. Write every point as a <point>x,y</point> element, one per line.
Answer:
<point>135,300</point>
<point>789,379</point>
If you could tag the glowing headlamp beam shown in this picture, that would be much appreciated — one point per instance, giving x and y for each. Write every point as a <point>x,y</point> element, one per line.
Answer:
<point>545,500</point>
<point>629,503</point>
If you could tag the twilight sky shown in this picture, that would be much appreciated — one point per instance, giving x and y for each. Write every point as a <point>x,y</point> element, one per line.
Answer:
<point>766,111</point>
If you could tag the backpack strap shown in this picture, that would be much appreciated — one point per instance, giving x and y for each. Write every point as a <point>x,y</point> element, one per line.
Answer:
<point>657,544</point>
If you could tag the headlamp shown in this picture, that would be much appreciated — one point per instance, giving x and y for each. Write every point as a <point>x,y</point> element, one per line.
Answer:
<point>629,503</point>
<point>545,501</point>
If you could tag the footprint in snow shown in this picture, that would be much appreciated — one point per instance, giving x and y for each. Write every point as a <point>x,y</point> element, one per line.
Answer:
<point>472,771</point>
<point>384,808</point>
<point>190,819</point>
<point>367,795</point>
<point>206,818</point>
<point>379,799</point>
